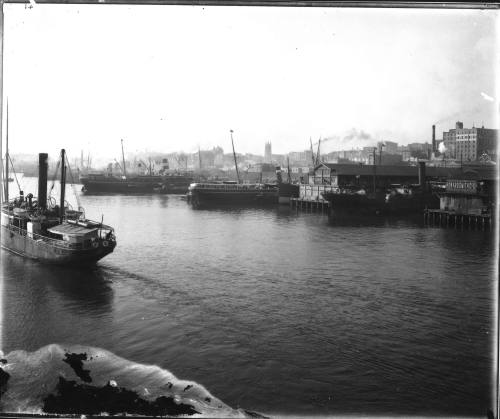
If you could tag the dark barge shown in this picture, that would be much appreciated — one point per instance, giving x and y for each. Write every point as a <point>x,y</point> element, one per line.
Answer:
<point>232,193</point>
<point>392,199</point>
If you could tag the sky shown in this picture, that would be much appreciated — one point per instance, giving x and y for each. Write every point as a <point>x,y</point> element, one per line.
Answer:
<point>172,78</point>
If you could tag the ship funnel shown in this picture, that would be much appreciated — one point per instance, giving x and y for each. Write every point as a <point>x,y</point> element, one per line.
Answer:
<point>43,168</point>
<point>421,173</point>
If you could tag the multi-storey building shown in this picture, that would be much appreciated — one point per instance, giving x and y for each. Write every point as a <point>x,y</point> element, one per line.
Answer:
<point>405,152</point>
<point>279,159</point>
<point>300,157</point>
<point>450,139</point>
<point>390,147</point>
<point>420,150</point>
<point>469,144</point>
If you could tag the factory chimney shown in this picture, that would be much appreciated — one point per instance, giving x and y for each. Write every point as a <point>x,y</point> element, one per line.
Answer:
<point>434,138</point>
<point>43,168</point>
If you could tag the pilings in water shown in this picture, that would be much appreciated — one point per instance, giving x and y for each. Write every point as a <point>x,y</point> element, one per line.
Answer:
<point>450,219</point>
<point>310,205</point>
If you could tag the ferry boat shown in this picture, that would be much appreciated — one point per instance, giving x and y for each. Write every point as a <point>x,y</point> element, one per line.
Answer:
<point>40,229</point>
<point>232,193</point>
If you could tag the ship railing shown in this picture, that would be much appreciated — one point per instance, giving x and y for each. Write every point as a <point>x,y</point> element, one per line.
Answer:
<point>54,242</point>
<point>229,186</point>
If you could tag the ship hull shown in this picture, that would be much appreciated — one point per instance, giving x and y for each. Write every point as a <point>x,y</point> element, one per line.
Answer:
<point>286,192</point>
<point>174,188</point>
<point>129,186</point>
<point>252,198</point>
<point>119,187</point>
<point>21,244</point>
<point>351,203</point>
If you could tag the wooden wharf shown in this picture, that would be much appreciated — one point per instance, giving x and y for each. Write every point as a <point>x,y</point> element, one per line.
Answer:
<point>310,205</point>
<point>444,218</point>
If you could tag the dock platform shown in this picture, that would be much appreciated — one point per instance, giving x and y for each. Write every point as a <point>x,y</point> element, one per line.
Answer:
<point>443,218</point>
<point>310,205</point>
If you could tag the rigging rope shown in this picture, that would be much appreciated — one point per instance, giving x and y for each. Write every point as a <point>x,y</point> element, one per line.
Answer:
<point>14,171</point>
<point>54,177</point>
<point>73,184</point>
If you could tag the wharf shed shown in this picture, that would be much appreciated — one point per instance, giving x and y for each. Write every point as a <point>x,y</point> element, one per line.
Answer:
<point>470,192</point>
<point>361,175</point>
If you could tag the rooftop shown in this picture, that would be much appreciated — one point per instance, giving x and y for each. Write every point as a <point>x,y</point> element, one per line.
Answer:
<point>71,229</point>
<point>485,172</point>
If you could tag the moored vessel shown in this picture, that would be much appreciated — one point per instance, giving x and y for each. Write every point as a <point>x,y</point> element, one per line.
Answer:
<point>396,199</point>
<point>231,193</point>
<point>286,190</point>
<point>38,228</point>
<point>164,182</point>
<point>99,182</point>
<point>168,184</point>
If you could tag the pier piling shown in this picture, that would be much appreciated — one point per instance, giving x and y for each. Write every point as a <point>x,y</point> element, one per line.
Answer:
<point>309,205</point>
<point>449,219</point>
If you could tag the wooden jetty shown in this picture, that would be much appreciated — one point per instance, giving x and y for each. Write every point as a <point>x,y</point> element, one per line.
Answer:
<point>310,205</point>
<point>444,218</point>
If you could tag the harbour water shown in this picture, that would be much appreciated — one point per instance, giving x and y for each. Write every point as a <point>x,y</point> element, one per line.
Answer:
<point>275,311</point>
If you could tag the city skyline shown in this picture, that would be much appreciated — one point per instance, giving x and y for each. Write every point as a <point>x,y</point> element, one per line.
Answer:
<point>78,78</point>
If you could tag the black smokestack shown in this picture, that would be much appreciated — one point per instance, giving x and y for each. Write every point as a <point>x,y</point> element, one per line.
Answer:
<point>421,173</point>
<point>434,138</point>
<point>43,168</point>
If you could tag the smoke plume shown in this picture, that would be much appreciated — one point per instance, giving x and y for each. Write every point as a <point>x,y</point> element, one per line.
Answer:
<point>352,139</point>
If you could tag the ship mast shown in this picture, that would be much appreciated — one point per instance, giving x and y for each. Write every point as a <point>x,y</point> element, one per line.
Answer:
<point>1,172</point>
<point>312,152</point>
<point>234,154</point>
<point>63,184</point>
<point>123,159</point>
<point>7,157</point>
<point>374,170</point>
<point>317,153</point>
<point>1,99</point>
<point>288,168</point>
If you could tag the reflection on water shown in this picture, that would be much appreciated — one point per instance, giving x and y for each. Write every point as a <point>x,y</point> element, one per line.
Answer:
<point>41,301</point>
<point>275,310</point>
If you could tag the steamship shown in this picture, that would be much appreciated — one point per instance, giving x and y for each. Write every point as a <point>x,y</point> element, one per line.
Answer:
<point>176,183</point>
<point>165,182</point>
<point>394,199</point>
<point>38,228</point>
